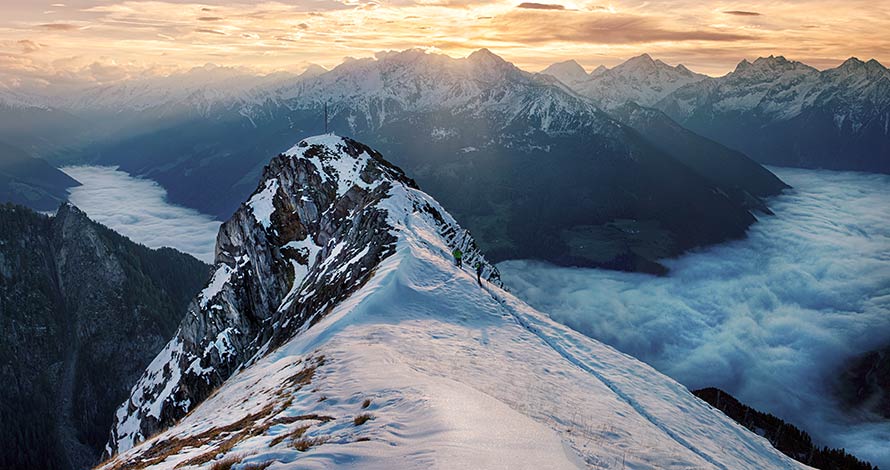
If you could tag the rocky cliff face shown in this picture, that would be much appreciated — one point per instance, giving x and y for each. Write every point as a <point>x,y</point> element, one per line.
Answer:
<point>324,215</point>
<point>82,312</point>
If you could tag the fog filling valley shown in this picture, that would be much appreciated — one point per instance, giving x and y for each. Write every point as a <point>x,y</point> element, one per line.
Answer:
<point>138,209</point>
<point>770,319</point>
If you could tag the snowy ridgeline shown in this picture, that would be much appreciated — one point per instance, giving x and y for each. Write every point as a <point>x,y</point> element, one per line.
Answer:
<point>422,367</point>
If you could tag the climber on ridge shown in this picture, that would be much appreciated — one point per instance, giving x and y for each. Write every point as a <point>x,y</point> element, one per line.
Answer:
<point>458,257</point>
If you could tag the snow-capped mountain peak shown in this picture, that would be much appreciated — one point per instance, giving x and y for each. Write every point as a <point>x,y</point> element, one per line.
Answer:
<point>641,79</point>
<point>599,70</point>
<point>324,216</point>
<point>640,62</point>
<point>312,71</point>
<point>803,116</point>
<point>338,332</point>
<point>776,66</point>
<point>568,72</point>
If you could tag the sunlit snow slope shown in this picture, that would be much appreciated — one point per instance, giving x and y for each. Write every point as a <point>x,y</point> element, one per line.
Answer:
<point>421,367</point>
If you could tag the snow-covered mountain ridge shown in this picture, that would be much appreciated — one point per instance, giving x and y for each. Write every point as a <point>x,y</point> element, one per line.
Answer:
<point>641,80</point>
<point>338,333</point>
<point>325,214</point>
<point>785,112</point>
<point>369,93</point>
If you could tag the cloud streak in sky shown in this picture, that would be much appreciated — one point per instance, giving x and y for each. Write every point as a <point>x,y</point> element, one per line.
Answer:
<point>771,319</point>
<point>541,6</point>
<point>138,209</point>
<point>741,13</point>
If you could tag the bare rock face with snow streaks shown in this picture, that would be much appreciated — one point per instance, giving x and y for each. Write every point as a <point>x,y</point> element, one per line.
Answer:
<point>322,218</point>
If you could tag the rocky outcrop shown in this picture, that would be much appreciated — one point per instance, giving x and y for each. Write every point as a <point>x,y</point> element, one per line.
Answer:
<point>865,382</point>
<point>82,312</point>
<point>324,215</point>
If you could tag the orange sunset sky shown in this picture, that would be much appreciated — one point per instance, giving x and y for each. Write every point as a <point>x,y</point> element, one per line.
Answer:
<point>109,40</point>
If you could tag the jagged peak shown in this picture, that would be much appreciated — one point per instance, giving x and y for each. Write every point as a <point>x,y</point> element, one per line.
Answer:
<point>852,61</point>
<point>570,64</point>
<point>325,214</point>
<point>684,69</point>
<point>313,70</point>
<point>743,65</point>
<point>644,58</point>
<point>407,55</point>
<point>343,161</point>
<point>774,61</point>
<point>772,64</point>
<point>568,70</point>
<point>601,69</point>
<point>874,62</point>
<point>856,64</point>
<point>67,209</point>
<point>644,63</point>
<point>489,66</point>
<point>484,54</point>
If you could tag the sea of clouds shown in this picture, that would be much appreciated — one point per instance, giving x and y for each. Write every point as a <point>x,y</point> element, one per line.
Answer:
<point>138,209</point>
<point>771,319</point>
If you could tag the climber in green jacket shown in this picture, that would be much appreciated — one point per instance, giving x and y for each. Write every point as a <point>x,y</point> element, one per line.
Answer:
<point>458,257</point>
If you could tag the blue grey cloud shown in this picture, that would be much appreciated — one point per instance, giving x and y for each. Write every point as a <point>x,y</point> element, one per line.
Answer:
<point>770,319</point>
<point>138,209</point>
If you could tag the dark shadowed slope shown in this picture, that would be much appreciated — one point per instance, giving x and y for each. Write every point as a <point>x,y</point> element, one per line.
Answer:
<point>31,181</point>
<point>790,440</point>
<point>82,312</point>
<point>740,177</point>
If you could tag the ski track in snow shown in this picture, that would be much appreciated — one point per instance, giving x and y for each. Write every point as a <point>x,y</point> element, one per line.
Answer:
<point>464,377</point>
<point>770,319</point>
<point>556,344</point>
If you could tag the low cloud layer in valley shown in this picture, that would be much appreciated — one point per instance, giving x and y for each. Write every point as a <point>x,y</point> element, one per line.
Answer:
<point>770,319</point>
<point>138,208</point>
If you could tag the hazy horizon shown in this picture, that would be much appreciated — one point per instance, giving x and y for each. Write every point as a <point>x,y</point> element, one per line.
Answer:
<point>93,41</point>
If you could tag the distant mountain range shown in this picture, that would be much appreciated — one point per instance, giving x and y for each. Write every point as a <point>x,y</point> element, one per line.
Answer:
<point>777,111</point>
<point>787,113</point>
<point>640,80</point>
<point>532,167</point>
<point>616,168</point>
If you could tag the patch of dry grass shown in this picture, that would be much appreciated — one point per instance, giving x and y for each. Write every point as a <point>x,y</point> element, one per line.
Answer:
<point>362,419</point>
<point>227,436</point>
<point>307,443</point>
<point>226,463</point>
<point>293,435</point>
